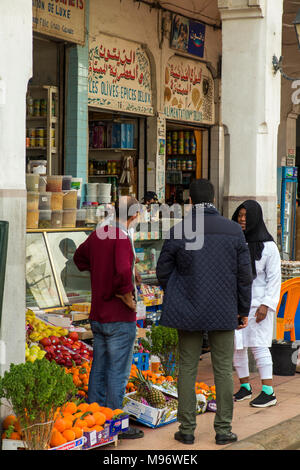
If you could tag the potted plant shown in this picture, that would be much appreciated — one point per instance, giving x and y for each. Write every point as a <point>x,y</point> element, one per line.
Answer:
<point>35,390</point>
<point>163,342</point>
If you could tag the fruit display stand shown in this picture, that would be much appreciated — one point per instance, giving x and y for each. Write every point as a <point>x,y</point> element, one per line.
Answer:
<point>108,435</point>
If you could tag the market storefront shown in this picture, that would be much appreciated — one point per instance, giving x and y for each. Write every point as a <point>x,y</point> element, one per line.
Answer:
<point>189,113</point>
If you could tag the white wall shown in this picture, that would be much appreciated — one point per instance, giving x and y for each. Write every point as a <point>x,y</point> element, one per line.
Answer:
<point>15,71</point>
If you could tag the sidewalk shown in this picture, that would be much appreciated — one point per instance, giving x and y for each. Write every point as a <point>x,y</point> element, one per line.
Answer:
<point>247,421</point>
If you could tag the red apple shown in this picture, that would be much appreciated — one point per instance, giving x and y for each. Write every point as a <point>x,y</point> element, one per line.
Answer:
<point>45,342</point>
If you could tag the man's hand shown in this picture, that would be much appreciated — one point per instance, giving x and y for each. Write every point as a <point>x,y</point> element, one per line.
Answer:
<point>128,300</point>
<point>244,323</point>
<point>261,313</point>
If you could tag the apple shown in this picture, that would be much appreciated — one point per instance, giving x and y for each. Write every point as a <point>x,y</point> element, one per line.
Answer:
<point>45,342</point>
<point>73,336</point>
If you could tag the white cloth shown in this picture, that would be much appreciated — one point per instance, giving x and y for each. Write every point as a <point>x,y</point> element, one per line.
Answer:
<point>262,358</point>
<point>265,291</point>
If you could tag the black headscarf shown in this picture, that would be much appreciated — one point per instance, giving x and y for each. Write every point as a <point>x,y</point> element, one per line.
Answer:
<point>256,232</point>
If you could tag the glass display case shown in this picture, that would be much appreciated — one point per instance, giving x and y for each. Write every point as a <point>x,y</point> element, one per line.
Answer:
<point>52,279</point>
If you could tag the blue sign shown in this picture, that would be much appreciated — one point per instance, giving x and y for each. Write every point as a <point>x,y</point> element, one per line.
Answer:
<point>188,35</point>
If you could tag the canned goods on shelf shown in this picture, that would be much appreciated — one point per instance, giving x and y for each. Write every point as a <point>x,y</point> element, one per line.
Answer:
<point>40,142</point>
<point>40,132</point>
<point>43,106</point>
<point>36,107</point>
<point>31,132</point>
<point>32,142</point>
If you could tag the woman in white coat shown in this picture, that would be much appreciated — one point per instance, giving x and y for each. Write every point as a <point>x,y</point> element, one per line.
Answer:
<point>258,334</point>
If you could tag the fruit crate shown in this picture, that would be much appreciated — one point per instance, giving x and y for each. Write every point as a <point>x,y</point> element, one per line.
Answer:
<point>141,360</point>
<point>12,444</point>
<point>147,415</point>
<point>108,435</point>
<point>155,417</point>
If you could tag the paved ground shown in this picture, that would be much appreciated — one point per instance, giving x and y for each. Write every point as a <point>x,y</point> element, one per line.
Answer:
<point>247,420</point>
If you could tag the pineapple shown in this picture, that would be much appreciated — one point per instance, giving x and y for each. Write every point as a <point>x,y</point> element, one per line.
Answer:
<point>173,404</point>
<point>154,397</point>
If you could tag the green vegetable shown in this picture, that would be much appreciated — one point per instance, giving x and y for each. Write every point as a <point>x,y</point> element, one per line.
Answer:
<point>35,390</point>
<point>163,342</point>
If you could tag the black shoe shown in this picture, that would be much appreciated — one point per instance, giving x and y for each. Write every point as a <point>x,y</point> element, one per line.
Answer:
<point>263,400</point>
<point>184,438</point>
<point>131,433</point>
<point>222,439</point>
<point>243,394</point>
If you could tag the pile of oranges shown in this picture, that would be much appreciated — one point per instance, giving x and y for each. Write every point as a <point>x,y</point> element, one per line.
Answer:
<point>80,377</point>
<point>72,420</point>
<point>11,428</point>
<point>206,390</point>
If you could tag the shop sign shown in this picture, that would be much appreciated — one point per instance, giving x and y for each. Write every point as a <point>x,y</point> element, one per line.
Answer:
<point>119,76</point>
<point>188,35</point>
<point>63,19</point>
<point>189,91</point>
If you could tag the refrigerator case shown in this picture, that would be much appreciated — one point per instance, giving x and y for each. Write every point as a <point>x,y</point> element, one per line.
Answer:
<point>288,211</point>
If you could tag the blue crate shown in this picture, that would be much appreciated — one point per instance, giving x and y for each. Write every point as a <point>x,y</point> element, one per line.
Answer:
<point>141,360</point>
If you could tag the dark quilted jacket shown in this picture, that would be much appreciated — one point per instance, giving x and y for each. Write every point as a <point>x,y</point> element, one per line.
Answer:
<point>205,289</point>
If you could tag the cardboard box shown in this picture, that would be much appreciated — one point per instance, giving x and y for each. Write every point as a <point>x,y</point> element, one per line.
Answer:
<point>72,445</point>
<point>62,321</point>
<point>84,307</point>
<point>154,417</point>
<point>108,435</point>
<point>11,444</point>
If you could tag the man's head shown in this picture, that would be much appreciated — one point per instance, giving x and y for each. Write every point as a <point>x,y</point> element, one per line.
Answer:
<point>127,209</point>
<point>202,191</point>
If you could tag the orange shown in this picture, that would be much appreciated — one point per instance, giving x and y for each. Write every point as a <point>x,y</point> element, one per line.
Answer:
<point>107,411</point>
<point>70,407</point>
<point>9,421</point>
<point>60,424</point>
<point>77,431</point>
<point>80,423</point>
<point>100,418</point>
<point>97,428</point>
<point>57,439</point>
<point>78,414</point>
<point>18,427</point>
<point>83,407</point>
<point>117,411</point>
<point>15,435</point>
<point>69,423</point>
<point>69,434</point>
<point>93,407</point>
<point>90,420</point>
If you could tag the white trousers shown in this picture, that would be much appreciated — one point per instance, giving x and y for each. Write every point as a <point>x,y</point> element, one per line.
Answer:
<point>262,358</point>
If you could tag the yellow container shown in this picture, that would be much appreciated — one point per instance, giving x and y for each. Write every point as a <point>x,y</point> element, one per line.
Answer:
<point>57,201</point>
<point>69,218</point>
<point>32,220</point>
<point>32,181</point>
<point>70,199</point>
<point>32,201</point>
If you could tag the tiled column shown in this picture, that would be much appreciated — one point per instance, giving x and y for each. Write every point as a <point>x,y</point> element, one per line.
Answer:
<point>76,141</point>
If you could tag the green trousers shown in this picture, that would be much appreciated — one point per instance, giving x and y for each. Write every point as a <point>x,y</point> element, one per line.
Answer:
<point>190,347</point>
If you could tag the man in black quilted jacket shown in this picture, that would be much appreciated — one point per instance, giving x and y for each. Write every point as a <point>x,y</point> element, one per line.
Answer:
<point>207,287</point>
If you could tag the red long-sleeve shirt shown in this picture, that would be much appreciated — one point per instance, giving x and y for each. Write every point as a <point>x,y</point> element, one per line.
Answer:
<point>110,262</point>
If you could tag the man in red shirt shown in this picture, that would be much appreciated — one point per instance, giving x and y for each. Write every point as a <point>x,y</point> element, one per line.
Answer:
<point>108,254</point>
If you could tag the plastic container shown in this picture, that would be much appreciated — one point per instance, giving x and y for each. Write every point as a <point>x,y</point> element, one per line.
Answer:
<point>57,201</point>
<point>76,183</point>
<point>91,215</point>
<point>104,199</point>
<point>56,219</point>
<point>42,184</point>
<point>32,219</point>
<point>70,199</point>
<point>45,201</point>
<point>69,218</point>
<point>80,217</point>
<point>92,189</point>
<point>284,356</point>
<point>45,219</point>
<point>54,183</point>
<point>66,183</point>
<point>104,189</point>
<point>32,201</point>
<point>32,182</point>
<point>92,198</point>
